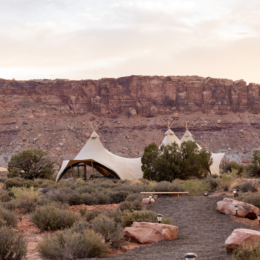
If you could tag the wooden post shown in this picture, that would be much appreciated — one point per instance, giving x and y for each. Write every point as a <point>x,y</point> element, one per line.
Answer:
<point>78,170</point>
<point>85,172</point>
<point>92,169</point>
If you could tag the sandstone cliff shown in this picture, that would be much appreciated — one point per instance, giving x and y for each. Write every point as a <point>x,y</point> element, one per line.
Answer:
<point>53,115</point>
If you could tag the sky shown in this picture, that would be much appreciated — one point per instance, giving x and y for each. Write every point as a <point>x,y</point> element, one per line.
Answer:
<point>93,39</point>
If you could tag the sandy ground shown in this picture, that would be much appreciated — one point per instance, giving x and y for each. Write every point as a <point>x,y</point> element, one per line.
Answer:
<point>202,230</point>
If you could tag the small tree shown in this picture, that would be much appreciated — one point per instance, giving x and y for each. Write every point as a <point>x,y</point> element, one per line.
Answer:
<point>171,162</point>
<point>254,168</point>
<point>31,164</point>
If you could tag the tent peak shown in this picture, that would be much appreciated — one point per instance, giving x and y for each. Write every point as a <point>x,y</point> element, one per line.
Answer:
<point>187,133</point>
<point>169,132</point>
<point>94,135</point>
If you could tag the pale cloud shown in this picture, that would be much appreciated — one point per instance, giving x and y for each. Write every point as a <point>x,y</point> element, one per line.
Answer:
<point>112,38</point>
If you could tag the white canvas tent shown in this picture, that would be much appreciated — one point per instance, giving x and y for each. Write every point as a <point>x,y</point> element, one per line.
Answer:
<point>217,157</point>
<point>170,137</point>
<point>109,164</point>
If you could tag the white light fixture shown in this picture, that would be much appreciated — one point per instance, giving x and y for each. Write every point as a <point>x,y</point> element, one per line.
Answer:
<point>235,192</point>
<point>150,196</point>
<point>159,217</point>
<point>236,208</point>
<point>190,256</point>
<point>205,193</point>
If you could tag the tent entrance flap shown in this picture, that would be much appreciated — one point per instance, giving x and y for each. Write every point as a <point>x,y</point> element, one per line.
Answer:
<point>99,167</point>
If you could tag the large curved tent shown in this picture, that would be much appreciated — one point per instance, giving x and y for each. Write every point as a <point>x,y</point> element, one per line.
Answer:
<point>94,154</point>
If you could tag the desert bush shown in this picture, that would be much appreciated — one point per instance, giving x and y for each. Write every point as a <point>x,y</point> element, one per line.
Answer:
<point>90,215</point>
<point>69,245</point>
<point>212,182</point>
<point>8,217</point>
<point>75,199</point>
<point>195,188</point>
<point>165,186</point>
<point>127,205</point>
<point>10,205</point>
<point>101,198</point>
<point>253,199</point>
<point>247,252</point>
<point>233,166</point>
<point>80,226</point>
<point>224,181</point>
<point>246,186</point>
<point>111,231</point>
<point>61,196</point>
<point>117,196</point>
<point>52,218</point>
<point>31,164</point>
<point>4,196</point>
<point>133,197</point>
<point>3,179</point>
<point>14,182</point>
<point>88,199</point>
<point>12,245</point>
<point>26,199</point>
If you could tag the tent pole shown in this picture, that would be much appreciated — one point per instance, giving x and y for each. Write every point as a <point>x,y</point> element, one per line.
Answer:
<point>85,173</point>
<point>92,170</point>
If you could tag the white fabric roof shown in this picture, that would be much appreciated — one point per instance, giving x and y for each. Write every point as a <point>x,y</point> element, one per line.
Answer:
<point>217,157</point>
<point>125,168</point>
<point>170,137</point>
<point>188,137</point>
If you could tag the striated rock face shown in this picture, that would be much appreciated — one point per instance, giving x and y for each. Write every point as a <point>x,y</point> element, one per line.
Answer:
<point>149,96</point>
<point>54,115</point>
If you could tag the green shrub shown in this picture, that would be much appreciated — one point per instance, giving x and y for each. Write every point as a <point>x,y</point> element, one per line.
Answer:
<point>212,182</point>
<point>246,186</point>
<point>14,182</point>
<point>69,245</point>
<point>127,205</point>
<point>134,197</point>
<point>89,199</point>
<point>231,166</point>
<point>247,253</point>
<point>52,218</point>
<point>10,205</point>
<point>26,199</point>
<point>75,199</point>
<point>253,199</point>
<point>12,245</point>
<point>61,196</point>
<point>118,196</point>
<point>8,217</point>
<point>3,179</point>
<point>90,215</point>
<point>165,186</point>
<point>101,198</point>
<point>112,232</point>
<point>80,226</point>
<point>4,196</point>
<point>225,181</point>
<point>195,188</point>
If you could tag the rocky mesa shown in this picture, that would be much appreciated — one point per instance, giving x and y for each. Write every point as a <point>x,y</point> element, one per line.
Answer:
<point>53,115</point>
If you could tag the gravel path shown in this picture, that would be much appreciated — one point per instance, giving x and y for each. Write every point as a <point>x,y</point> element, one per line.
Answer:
<point>202,230</point>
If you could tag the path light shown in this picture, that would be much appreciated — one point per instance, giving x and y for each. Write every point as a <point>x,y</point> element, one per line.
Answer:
<point>235,192</point>
<point>236,208</point>
<point>155,196</point>
<point>258,217</point>
<point>205,193</point>
<point>159,218</point>
<point>189,256</point>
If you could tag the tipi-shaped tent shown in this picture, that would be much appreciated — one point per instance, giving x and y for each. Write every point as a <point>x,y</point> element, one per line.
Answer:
<point>170,137</point>
<point>94,154</point>
<point>217,157</point>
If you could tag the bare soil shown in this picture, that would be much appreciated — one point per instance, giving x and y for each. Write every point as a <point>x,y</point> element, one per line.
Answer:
<point>202,230</point>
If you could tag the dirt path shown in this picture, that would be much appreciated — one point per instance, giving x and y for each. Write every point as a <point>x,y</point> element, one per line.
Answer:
<point>202,230</point>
